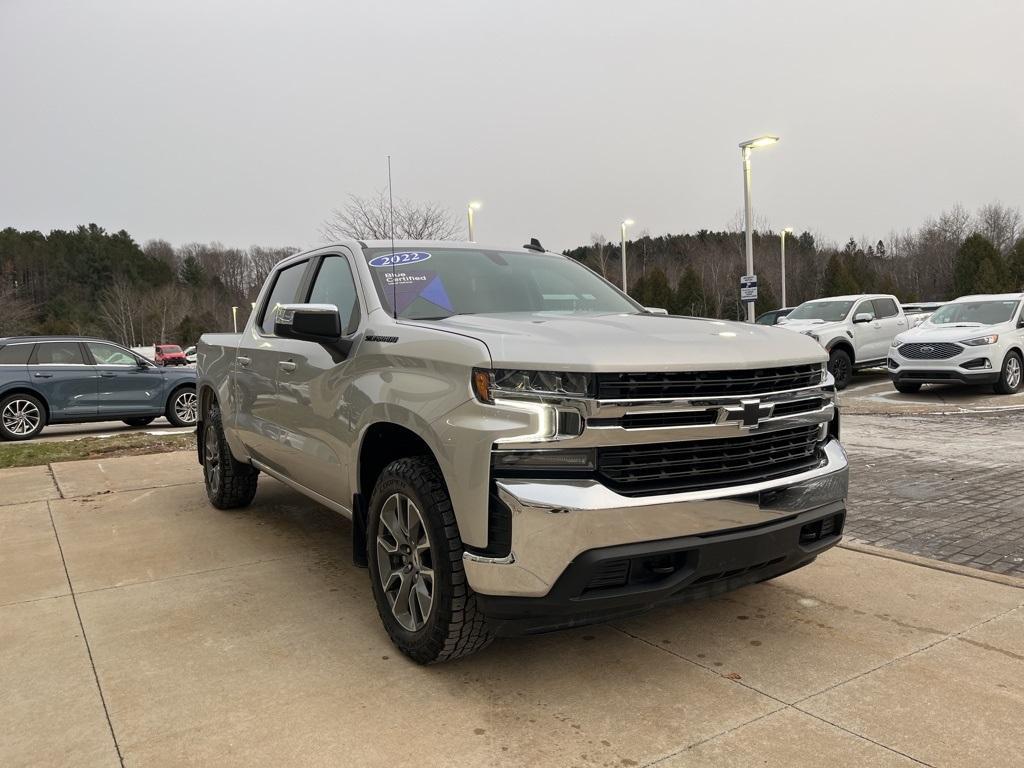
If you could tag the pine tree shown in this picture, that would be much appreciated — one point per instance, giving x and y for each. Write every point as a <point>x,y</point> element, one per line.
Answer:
<point>689,298</point>
<point>978,268</point>
<point>658,292</point>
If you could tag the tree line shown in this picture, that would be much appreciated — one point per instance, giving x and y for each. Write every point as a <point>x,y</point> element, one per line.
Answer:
<point>92,282</point>
<point>954,254</point>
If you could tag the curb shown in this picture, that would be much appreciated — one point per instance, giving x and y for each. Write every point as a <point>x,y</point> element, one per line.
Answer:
<point>935,565</point>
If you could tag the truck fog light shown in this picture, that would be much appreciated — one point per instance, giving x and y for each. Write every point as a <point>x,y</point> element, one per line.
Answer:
<point>549,461</point>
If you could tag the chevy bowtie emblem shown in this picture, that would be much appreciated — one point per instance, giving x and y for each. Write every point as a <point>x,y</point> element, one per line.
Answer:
<point>748,413</point>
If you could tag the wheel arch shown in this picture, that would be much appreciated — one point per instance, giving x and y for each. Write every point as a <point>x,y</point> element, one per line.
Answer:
<point>844,345</point>
<point>22,389</point>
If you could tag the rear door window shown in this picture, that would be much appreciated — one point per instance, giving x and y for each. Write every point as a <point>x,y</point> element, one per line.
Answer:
<point>15,354</point>
<point>58,353</point>
<point>885,308</point>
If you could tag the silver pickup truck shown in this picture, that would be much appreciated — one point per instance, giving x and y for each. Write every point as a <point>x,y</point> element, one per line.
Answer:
<point>520,446</point>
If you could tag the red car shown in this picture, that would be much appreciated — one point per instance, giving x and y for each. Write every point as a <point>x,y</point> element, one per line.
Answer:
<point>169,354</point>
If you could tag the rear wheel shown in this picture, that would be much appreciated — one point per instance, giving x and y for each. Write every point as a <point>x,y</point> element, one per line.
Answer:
<point>183,407</point>
<point>139,421</point>
<point>841,367</point>
<point>1011,376</point>
<point>229,483</point>
<point>22,417</point>
<point>415,553</point>
<point>906,387</point>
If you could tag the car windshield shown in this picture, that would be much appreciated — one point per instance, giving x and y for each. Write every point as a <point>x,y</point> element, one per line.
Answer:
<point>169,349</point>
<point>435,283</point>
<point>829,311</point>
<point>975,312</point>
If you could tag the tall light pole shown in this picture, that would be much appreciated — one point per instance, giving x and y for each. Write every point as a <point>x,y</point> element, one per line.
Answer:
<point>474,206</point>
<point>782,243</point>
<point>746,148</point>
<point>625,223</point>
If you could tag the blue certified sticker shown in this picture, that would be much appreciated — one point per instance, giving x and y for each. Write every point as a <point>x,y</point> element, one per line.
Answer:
<point>398,259</point>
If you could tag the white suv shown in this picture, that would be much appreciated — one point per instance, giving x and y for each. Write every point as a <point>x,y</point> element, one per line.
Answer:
<point>972,340</point>
<point>856,331</point>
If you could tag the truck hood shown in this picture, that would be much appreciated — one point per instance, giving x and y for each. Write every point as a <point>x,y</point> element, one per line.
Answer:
<point>818,327</point>
<point>623,342</point>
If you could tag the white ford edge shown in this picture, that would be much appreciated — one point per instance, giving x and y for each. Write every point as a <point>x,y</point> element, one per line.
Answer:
<point>972,340</point>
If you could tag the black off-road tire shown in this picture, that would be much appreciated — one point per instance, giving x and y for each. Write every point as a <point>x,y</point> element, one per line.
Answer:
<point>907,387</point>
<point>841,367</point>
<point>139,421</point>
<point>1004,386</point>
<point>455,626</point>
<point>230,484</point>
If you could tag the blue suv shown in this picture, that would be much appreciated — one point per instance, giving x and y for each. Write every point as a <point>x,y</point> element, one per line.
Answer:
<point>71,379</point>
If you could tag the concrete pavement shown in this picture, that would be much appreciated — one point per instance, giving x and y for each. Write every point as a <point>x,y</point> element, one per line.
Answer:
<point>140,626</point>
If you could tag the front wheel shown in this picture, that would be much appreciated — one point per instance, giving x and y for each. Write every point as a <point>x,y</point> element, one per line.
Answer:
<point>841,367</point>
<point>1011,376</point>
<point>183,407</point>
<point>906,387</point>
<point>415,558</point>
<point>22,417</point>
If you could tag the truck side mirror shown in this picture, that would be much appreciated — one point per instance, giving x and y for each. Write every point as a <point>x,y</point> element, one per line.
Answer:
<point>863,317</point>
<point>309,322</point>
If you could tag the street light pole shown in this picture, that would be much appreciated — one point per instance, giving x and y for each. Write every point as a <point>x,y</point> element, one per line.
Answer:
<point>625,223</point>
<point>746,147</point>
<point>474,206</point>
<point>782,241</point>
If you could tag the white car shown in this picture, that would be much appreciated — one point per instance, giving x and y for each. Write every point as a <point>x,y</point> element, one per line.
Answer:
<point>972,340</point>
<point>190,355</point>
<point>856,331</point>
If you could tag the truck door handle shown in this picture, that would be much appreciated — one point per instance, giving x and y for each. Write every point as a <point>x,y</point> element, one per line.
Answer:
<point>243,361</point>
<point>286,365</point>
<point>43,375</point>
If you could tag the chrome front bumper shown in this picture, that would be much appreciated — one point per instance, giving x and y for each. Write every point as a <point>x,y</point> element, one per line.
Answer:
<point>554,521</point>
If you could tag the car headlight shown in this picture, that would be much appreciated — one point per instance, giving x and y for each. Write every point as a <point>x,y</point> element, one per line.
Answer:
<point>897,341</point>
<point>503,382</point>
<point>982,340</point>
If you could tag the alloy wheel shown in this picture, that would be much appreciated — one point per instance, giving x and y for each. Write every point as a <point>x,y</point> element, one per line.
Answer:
<point>211,458</point>
<point>404,562</point>
<point>186,407</point>
<point>21,417</point>
<point>1013,372</point>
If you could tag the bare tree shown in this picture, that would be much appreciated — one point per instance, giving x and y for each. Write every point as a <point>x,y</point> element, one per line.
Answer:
<point>369,218</point>
<point>168,306</point>
<point>599,242</point>
<point>1000,224</point>
<point>119,310</point>
<point>17,311</point>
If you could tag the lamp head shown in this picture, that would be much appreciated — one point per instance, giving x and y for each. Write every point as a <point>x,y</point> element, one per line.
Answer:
<point>475,205</point>
<point>760,141</point>
<point>628,222</point>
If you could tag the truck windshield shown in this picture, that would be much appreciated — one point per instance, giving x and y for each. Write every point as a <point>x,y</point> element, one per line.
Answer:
<point>435,283</point>
<point>829,311</point>
<point>981,312</point>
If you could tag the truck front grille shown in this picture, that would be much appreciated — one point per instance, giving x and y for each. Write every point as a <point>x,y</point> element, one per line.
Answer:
<point>934,351</point>
<point>688,384</point>
<point>642,470</point>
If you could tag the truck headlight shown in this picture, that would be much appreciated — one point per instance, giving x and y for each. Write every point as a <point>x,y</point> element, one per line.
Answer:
<point>490,384</point>
<point>982,340</point>
<point>812,335</point>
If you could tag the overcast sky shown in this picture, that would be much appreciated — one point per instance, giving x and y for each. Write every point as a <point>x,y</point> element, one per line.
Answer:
<point>246,122</point>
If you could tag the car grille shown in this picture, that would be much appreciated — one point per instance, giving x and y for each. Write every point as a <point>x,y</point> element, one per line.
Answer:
<point>641,386</point>
<point>640,470</point>
<point>934,351</point>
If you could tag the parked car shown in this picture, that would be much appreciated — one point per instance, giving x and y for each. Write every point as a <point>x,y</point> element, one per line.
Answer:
<point>520,446</point>
<point>773,316</point>
<point>70,379</point>
<point>169,354</point>
<point>919,311</point>
<point>190,355</point>
<point>972,340</point>
<point>856,331</point>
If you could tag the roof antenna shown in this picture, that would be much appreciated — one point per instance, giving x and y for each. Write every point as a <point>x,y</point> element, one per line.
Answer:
<point>394,282</point>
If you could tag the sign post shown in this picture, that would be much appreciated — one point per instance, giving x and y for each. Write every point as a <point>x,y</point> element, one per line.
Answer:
<point>748,289</point>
